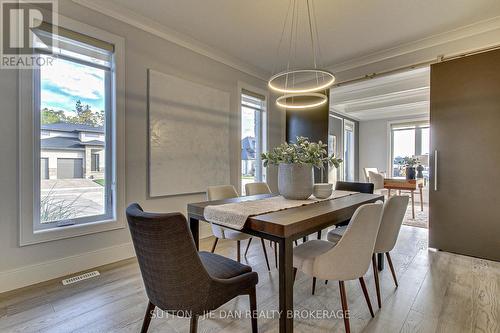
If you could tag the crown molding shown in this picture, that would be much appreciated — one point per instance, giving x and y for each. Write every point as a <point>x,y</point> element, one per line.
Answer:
<point>159,30</point>
<point>467,31</point>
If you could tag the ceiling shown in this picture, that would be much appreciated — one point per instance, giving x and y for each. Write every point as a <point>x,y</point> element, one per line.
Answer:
<point>250,30</point>
<point>398,95</point>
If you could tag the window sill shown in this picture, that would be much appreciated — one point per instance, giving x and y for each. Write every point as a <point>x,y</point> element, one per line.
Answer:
<point>30,237</point>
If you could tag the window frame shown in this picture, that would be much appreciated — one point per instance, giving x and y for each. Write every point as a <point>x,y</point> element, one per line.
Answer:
<point>29,148</point>
<point>418,136</point>
<point>264,121</point>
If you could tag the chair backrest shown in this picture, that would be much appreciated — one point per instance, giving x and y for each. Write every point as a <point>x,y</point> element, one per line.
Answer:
<point>257,188</point>
<point>221,192</point>
<point>173,274</point>
<point>367,175</point>
<point>354,187</point>
<point>351,257</point>
<point>392,218</point>
<point>377,179</point>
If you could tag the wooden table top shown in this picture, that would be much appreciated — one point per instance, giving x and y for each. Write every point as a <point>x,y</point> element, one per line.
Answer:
<point>294,222</point>
<point>402,183</point>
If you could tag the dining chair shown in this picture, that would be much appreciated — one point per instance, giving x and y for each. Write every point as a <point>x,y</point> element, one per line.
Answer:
<point>349,259</point>
<point>377,179</point>
<point>177,277</point>
<point>222,192</point>
<point>255,189</point>
<point>367,173</point>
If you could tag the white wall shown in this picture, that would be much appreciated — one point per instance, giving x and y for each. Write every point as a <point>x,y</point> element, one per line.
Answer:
<point>29,264</point>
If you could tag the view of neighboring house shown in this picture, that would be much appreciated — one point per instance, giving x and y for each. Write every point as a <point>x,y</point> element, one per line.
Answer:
<point>72,151</point>
<point>248,156</point>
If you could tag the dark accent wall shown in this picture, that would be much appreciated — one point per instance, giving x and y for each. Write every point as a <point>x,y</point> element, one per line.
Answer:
<point>311,123</point>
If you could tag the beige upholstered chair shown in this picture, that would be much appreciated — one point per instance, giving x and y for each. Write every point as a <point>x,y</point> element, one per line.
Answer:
<point>367,171</point>
<point>227,192</point>
<point>392,219</point>
<point>348,259</point>
<point>377,179</point>
<point>257,188</point>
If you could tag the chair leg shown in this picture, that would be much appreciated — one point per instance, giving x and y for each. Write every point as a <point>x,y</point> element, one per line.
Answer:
<point>147,317</point>
<point>367,297</point>
<point>193,328</point>
<point>265,253</point>
<point>326,282</point>
<point>389,260</point>
<point>215,244</point>
<point>296,243</point>
<point>276,255</point>
<point>319,234</point>
<point>345,309</point>
<point>253,310</point>
<point>314,285</point>
<point>248,246</point>
<point>238,251</point>
<point>294,273</point>
<point>377,283</point>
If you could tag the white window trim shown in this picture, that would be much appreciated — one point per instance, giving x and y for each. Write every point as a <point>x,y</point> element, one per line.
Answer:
<point>389,169</point>
<point>28,167</point>
<point>241,87</point>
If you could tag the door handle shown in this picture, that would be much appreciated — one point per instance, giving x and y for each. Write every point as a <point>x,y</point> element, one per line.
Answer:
<point>435,170</point>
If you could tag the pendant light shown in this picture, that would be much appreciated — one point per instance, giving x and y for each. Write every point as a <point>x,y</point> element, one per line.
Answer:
<point>302,87</point>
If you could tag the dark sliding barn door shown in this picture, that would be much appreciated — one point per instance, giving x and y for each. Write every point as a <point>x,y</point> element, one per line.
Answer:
<point>465,148</point>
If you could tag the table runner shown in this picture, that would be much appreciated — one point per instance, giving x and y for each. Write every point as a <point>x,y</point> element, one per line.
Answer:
<point>235,215</point>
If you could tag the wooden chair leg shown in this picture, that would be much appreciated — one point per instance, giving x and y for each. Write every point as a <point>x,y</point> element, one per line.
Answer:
<point>276,255</point>
<point>296,243</point>
<point>238,251</point>
<point>253,310</point>
<point>265,253</point>
<point>294,273</point>
<point>345,309</point>
<point>367,297</point>
<point>193,327</point>
<point>389,260</point>
<point>319,234</point>
<point>147,317</point>
<point>248,246</point>
<point>377,283</point>
<point>215,244</point>
<point>314,285</point>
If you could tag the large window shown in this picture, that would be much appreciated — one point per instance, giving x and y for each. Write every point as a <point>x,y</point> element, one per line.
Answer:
<point>74,132</point>
<point>409,140</point>
<point>253,138</point>
<point>349,150</point>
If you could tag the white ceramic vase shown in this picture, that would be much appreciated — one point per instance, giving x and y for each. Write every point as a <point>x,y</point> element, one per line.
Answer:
<point>295,181</point>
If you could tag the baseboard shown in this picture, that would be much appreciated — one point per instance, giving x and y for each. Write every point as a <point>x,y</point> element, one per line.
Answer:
<point>32,274</point>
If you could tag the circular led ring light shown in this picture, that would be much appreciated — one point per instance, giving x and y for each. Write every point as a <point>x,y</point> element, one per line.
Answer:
<point>281,101</point>
<point>319,87</point>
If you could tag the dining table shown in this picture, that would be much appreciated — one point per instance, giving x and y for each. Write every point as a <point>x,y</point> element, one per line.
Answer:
<point>284,227</point>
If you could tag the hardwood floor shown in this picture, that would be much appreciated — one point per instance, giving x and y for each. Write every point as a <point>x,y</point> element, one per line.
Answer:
<point>438,292</point>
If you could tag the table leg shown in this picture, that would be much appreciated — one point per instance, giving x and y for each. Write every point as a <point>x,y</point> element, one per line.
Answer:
<point>388,193</point>
<point>380,261</point>
<point>413,204</point>
<point>194,225</point>
<point>286,285</point>
<point>421,200</point>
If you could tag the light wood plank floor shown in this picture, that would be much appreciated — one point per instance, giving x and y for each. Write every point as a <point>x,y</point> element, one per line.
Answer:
<point>438,292</point>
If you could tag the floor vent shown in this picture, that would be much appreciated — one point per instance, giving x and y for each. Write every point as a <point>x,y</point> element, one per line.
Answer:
<point>78,278</point>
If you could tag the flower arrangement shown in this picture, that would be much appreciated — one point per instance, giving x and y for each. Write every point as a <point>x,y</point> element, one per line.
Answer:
<point>301,152</point>
<point>409,162</point>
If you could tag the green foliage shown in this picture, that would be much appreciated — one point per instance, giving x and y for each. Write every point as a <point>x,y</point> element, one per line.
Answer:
<point>84,115</point>
<point>53,209</point>
<point>101,182</point>
<point>409,162</point>
<point>301,152</point>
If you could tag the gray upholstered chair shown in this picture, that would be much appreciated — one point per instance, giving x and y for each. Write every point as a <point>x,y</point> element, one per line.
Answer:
<point>349,259</point>
<point>177,278</point>
<point>222,192</point>
<point>392,219</point>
